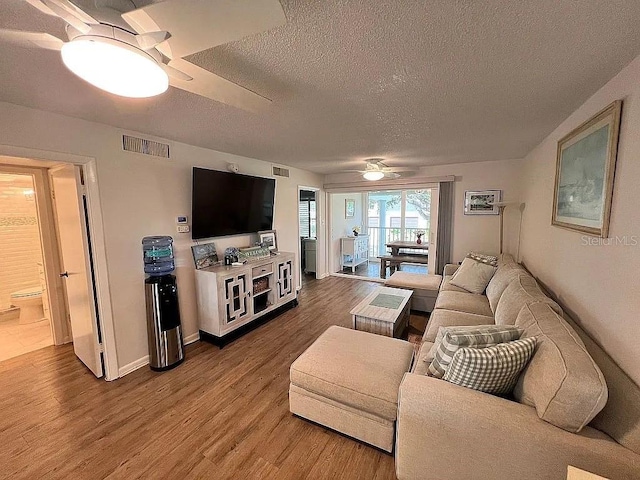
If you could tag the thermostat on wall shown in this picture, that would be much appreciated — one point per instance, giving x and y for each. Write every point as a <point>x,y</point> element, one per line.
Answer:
<point>181,220</point>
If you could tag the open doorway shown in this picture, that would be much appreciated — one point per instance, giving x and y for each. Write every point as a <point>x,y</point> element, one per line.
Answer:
<point>308,231</point>
<point>46,207</point>
<point>375,233</point>
<point>25,318</point>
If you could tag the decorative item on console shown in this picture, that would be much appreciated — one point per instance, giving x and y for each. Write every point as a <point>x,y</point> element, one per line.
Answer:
<point>419,234</point>
<point>231,255</point>
<point>268,240</point>
<point>253,253</point>
<point>356,230</point>
<point>204,255</point>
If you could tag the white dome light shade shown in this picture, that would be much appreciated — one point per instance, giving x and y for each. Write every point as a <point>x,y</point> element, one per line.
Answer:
<point>115,67</point>
<point>373,175</point>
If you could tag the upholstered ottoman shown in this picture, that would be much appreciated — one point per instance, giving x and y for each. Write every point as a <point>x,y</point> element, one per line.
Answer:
<point>425,288</point>
<point>348,380</point>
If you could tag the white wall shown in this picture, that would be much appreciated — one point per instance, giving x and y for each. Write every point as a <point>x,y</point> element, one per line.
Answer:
<point>480,233</point>
<point>600,284</point>
<point>341,226</point>
<point>142,195</point>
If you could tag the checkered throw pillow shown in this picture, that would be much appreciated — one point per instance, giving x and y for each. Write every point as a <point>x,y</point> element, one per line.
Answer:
<point>492,369</point>
<point>480,257</point>
<point>451,339</point>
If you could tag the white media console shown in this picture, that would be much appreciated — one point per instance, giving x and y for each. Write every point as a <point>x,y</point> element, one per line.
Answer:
<point>231,297</point>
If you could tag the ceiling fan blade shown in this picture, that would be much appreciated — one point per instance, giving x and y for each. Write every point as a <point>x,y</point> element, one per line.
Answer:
<point>71,14</point>
<point>399,169</point>
<point>147,41</point>
<point>209,85</point>
<point>197,25</point>
<point>41,6</point>
<point>174,73</point>
<point>71,9</point>
<point>31,39</point>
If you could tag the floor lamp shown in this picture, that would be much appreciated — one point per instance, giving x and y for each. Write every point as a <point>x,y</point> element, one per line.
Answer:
<point>501,206</point>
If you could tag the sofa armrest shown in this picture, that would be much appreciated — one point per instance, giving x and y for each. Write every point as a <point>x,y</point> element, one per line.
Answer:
<point>450,269</point>
<point>448,431</point>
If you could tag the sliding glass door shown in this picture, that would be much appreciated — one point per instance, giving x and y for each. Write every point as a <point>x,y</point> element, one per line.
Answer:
<point>397,215</point>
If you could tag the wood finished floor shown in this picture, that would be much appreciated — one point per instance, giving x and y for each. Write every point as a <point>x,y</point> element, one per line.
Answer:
<point>223,414</point>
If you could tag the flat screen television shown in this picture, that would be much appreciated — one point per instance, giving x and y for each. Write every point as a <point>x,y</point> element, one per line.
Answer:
<point>225,203</point>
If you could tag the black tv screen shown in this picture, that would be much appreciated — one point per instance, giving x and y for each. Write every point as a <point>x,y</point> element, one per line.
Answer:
<point>225,203</point>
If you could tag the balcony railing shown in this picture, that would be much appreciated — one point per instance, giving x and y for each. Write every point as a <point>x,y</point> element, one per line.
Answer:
<point>380,236</point>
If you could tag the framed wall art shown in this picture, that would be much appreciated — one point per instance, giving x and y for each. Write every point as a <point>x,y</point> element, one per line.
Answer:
<point>349,208</point>
<point>481,202</point>
<point>585,167</point>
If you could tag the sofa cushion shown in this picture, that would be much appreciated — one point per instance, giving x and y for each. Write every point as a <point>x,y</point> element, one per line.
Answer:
<point>524,290</point>
<point>505,274</point>
<point>620,417</point>
<point>473,275</point>
<point>446,286</point>
<point>505,258</point>
<point>415,281</point>
<point>451,339</point>
<point>464,302</point>
<point>562,381</point>
<point>494,369</point>
<point>358,369</point>
<point>450,318</point>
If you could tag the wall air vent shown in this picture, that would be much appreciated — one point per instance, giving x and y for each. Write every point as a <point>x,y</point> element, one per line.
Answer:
<point>146,147</point>
<point>281,172</point>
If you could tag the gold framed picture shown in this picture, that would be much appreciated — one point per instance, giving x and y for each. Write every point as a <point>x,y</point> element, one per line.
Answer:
<point>585,169</point>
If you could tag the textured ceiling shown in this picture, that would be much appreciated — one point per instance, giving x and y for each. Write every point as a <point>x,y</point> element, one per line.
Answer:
<point>415,82</point>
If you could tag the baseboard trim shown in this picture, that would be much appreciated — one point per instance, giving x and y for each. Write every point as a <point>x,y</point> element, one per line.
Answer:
<point>141,362</point>
<point>355,277</point>
<point>191,338</point>
<point>133,366</point>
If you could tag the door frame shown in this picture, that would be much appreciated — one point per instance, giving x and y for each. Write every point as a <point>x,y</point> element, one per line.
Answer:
<point>366,188</point>
<point>316,191</point>
<point>41,159</point>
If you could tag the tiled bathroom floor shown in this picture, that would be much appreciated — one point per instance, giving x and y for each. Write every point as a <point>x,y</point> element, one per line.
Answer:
<point>17,339</point>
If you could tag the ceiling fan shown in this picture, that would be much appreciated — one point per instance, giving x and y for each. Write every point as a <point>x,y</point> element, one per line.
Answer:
<point>376,170</point>
<point>138,52</point>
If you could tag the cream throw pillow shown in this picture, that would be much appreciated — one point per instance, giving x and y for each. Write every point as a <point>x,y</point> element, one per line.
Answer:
<point>473,276</point>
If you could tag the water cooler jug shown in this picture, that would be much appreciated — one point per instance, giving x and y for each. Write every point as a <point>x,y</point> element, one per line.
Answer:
<point>163,314</point>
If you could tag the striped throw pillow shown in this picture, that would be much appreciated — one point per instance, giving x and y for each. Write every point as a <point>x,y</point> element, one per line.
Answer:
<point>451,339</point>
<point>482,258</point>
<point>493,369</point>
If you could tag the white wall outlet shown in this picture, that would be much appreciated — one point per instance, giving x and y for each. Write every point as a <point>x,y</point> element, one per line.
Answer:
<point>183,228</point>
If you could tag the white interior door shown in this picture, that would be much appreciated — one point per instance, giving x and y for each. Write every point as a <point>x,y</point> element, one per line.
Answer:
<point>76,268</point>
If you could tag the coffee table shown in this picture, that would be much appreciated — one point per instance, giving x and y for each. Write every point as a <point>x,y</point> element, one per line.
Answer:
<point>384,311</point>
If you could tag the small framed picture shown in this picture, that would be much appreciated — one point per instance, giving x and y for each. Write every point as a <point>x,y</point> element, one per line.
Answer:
<point>482,202</point>
<point>204,255</point>
<point>349,208</point>
<point>268,239</point>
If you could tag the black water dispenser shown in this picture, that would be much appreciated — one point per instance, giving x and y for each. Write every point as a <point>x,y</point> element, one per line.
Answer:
<point>164,330</point>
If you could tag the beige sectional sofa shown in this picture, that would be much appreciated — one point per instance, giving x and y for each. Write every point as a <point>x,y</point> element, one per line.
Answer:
<point>572,405</point>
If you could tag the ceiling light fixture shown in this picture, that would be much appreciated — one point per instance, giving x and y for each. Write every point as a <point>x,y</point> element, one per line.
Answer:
<point>115,67</point>
<point>373,175</point>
